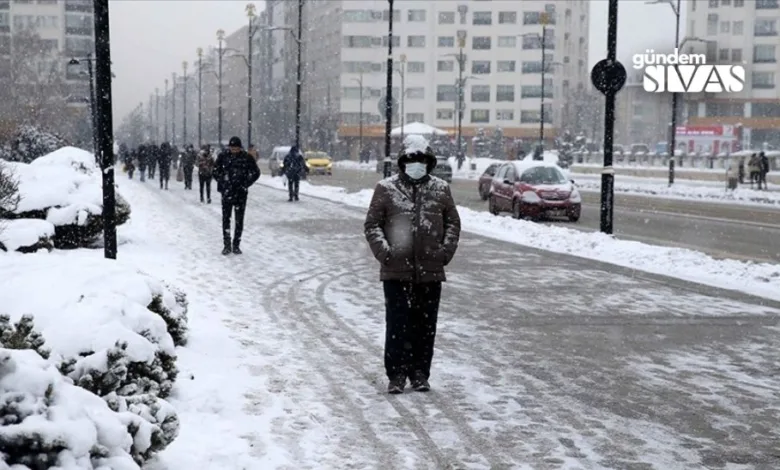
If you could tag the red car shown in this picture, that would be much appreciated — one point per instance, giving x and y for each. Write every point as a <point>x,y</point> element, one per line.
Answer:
<point>486,180</point>
<point>534,189</point>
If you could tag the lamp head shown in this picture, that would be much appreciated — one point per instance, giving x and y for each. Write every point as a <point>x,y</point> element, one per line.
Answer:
<point>73,62</point>
<point>184,66</point>
<point>220,34</point>
<point>199,51</point>
<point>250,10</point>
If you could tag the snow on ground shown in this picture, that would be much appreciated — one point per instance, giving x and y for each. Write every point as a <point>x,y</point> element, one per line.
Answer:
<point>711,191</point>
<point>24,232</point>
<point>754,278</point>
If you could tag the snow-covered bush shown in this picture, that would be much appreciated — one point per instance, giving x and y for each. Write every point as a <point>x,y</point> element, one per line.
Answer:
<point>153,410</point>
<point>26,235</point>
<point>29,143</point>
<point>65,189</point>
<point>175,318</point>
<point>22,335</point>
<point>46,422</point>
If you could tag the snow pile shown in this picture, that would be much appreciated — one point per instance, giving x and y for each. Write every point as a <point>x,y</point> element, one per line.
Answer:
<point>26,235</point>
<point>759,279</point>
<point>63,188</point>
<point>108,329</point>
<point>414,143</point>
<point>29,143</point>
<point>353,165</point>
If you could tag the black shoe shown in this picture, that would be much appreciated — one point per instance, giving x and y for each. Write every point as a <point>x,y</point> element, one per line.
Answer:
<point>237,250</point>
<point>226,251</point>
<point>419,382</point>
<point>296,198</point>
<point>290,200</point>
<point>209,201</point>
<point>396,385</point>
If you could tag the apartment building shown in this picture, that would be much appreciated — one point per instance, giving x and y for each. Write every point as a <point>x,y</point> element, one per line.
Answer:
<point>641,117</point>
<point>739,32</point>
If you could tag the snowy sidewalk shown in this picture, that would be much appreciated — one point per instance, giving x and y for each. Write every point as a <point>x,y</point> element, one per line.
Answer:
<point>543,361</point>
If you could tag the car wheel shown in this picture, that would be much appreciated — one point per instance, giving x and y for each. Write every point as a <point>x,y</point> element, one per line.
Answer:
<point>574,217</point>
<point>492,208</point>
<point>517,213</point>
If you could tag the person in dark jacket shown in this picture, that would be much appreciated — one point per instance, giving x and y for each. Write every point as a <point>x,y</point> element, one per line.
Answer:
<point>153,152</point>
<point>412,227</point>
<point>763,169</point>
<point>143,158</point>
<point>188,160</point>
<point>205,171</point>
<point>164,164</point>
<point>293,166</point>
<point>235,171</point>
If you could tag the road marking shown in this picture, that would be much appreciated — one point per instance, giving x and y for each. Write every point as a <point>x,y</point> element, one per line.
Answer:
<point>699,217</point>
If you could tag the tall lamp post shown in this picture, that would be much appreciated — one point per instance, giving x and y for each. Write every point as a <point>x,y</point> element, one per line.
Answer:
<point>200,96</point>
<point>92,111</point>
<point>402,72</point>
<point>543,43</point>
<point>220,53</point>
<point>389,93</point>
<point>173,109</point>
<point>184,104</point>
<point>250,13</point>
<point>157,115</point>
<point>298,77</point>
<point>359,81</point>
<point>165,120</point>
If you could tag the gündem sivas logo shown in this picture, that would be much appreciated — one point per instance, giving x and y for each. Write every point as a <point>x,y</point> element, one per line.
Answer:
<point>687,73</point>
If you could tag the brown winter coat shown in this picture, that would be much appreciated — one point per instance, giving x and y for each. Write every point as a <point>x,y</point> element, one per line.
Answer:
<point>412,228</point>
<point>205,164</point>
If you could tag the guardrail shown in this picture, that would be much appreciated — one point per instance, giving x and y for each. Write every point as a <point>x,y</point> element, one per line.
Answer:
<point>717,162</point>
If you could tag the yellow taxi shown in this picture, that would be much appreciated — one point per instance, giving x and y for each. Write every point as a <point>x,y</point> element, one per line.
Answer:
<point>318,163</point>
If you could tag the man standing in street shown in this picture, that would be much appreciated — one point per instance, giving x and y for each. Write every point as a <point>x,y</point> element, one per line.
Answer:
<point>293,166</point>
<point>164,163</point>
<point>188,165</point>
<point>235,172</point>
<point>205,171</point>
<point>763,170</point>
<point>412,227</point>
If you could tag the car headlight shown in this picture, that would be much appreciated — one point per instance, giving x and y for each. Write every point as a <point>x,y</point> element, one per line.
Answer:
<point>531,197</point>
<point>575,196</point>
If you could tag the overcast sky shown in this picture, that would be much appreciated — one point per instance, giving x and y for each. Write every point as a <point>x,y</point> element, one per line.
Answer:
<point>151,38</point>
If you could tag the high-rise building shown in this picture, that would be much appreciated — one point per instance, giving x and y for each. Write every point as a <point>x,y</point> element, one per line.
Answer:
<point>345,54</point>
<point>744,33</point>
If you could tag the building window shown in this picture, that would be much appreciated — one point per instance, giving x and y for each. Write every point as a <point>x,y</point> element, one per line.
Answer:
<point>445,66</point>
<point>359,16</point>
<point>528,117</point>
<point>725,26</point>
<point>764,54</point>
<point>725,109</point>
<point>532,42</point>
<point>396,41</point>
<point>739,3</point>
<point>415,41</point>
<point>416,15</point>
<point>535,17</point>
<point>738,28</point>
<point>415,93</point>
<point>535,91</point>
<point>446,17</point>
<point>480,67</point>
<point>507,17</point>
<point>766,4</point>
<point>712,24</point>
<point>507,41</point>
<point>446,41</point>
<point>480,43</point>
<point>765,110</point>
<point>480,115</point>
<point>763,80</point>
<point>505,66</point>
<point>765,27</point>
<point>713,3</point>
<point>445,114</point>
<point>480,93</point>
<point>5,19</point>
<point>350,93</point>
<point>736,55</point>
<point>482,18</point>
<point>396,16</point>
<point>358,41</point>
<point>505,93</point>
<point>532,66</point>
<point>415,117</point>
<point>5,44</point>
<point>505,115</point>
<point>446,93</point>
<point>415,67</point>
<point>49,45</point>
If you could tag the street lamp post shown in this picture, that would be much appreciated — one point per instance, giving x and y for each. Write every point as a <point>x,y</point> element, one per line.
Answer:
<point>250,13</point>
<point>360,132</point>
<point>184,104</point>
<point>165,121</point>
<point>389,93</point>
<point>461,65</point>
<point>402,73</point>
<point>157,116</point>
<point>220,52</point>
<point>173,110</point>
<point>92,107</point>
<point>200,96</point>
<point>298,77</point>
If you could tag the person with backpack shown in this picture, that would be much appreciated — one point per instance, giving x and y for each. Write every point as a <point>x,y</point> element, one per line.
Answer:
<point>205,172</point>
<point>235,171</point>
<point>293,167</point>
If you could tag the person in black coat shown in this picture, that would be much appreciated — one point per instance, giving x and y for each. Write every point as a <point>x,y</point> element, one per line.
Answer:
<point>143,158</point>
<point>153,154</point>
<point>235,171</point>
<point>763,169</point>
<point>293,166</point>
<point>164,163</point>
<point>188,165</point>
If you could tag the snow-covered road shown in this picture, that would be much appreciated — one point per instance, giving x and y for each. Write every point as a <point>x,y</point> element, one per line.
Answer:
<point>543,361</point>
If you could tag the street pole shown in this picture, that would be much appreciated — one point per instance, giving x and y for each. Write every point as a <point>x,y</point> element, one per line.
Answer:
<point>541,107</point>
<point>173,110</point>
<point>157,116</point>
<point>298,77</point>
<point>165,101</point>
<point>93,106</point>
<point>389,93</point>
<point>461,64</point>
<point>673,130</point>
<point>402,72</point>
<point>151,116</point>
<point>360,132</point>
<point>250,34</point>
<point>220,38</point>
<point>184,106</point>
<point>200,96</point>
<point>105,135</point>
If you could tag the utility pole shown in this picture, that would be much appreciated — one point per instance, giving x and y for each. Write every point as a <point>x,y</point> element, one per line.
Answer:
<point>461,65</point>
<point>298,77</point>
<point>184,105</point>
<point>250,13</point>
<point>173,109</point>
<point>360,132</point>
<point>151,116</point>
<point>673,131</point>
<point>106,132</point>
<point>402,72</point>
<point>165,101</point>
<point>220,52</point>
<point>157,116</point>
<point>200,96</point>
<point>543,20</point>
<point>389,92</point>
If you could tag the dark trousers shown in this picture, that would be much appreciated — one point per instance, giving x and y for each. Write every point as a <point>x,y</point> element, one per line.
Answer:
<point>205,182</point>
<point>165,175</point>
<point>762,180</point>
<point>152,166</point>
<point>142,172</point>
<point>188,178</point>
<point>228,206</point>
<point>411,311</point>
<point>293,184</point>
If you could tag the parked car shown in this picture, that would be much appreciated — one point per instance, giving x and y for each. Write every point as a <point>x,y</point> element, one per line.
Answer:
<point>318,163</point>
<point>534,189</point>
<point>276,160</point>
<point>442,170</point>
<point>486,180</point>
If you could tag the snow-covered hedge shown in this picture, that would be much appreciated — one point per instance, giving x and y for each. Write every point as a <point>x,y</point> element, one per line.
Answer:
<point>28,143</point>
<point>26,235</point>
<point>63,188</point>
<point>106,328</point>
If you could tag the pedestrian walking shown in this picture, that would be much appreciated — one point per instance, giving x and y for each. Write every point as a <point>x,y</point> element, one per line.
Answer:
<point>164,164</point>
<point>205,172</point>
<point>753,169</point>
<point>293,167</point>
<point>130,165</point>
<point>188,160</point>
<point>154,156</point>
<point>142,159</point>
<point>412,227</point>
<point>741,171</point>
<point>763,170</point>
<point>235,171</point>
<point>365,155</point>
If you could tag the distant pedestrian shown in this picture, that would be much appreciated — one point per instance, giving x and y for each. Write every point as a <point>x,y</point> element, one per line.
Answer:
<point>763,170</point>
<point>142,159</point>
<point>413,229</point>
<point>188,161</point>
<point>293,167</point>
<point>205,172</point>
<point>130,165</point>
<point>164,164</point>
<point>365,155</point>
<point>154,155</point>
<point>235,171</point>
<point>753,169</point>
<point>741,170</point>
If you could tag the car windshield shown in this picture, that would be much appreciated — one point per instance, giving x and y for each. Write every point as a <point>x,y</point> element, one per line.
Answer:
<point>543,175</point>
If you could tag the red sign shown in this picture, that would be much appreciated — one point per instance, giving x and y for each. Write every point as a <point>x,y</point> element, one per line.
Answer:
<point>725,131</point>
<point>707,139</point>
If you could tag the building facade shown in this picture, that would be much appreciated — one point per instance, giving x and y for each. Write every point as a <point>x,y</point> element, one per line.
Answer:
<point>743,32</point>
<point>641,117</point>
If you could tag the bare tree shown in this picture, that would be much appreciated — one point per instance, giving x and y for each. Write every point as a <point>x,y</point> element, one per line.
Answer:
<point>9,195</point>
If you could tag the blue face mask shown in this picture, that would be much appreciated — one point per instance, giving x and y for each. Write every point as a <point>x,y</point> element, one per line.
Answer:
<point>416,171</point>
